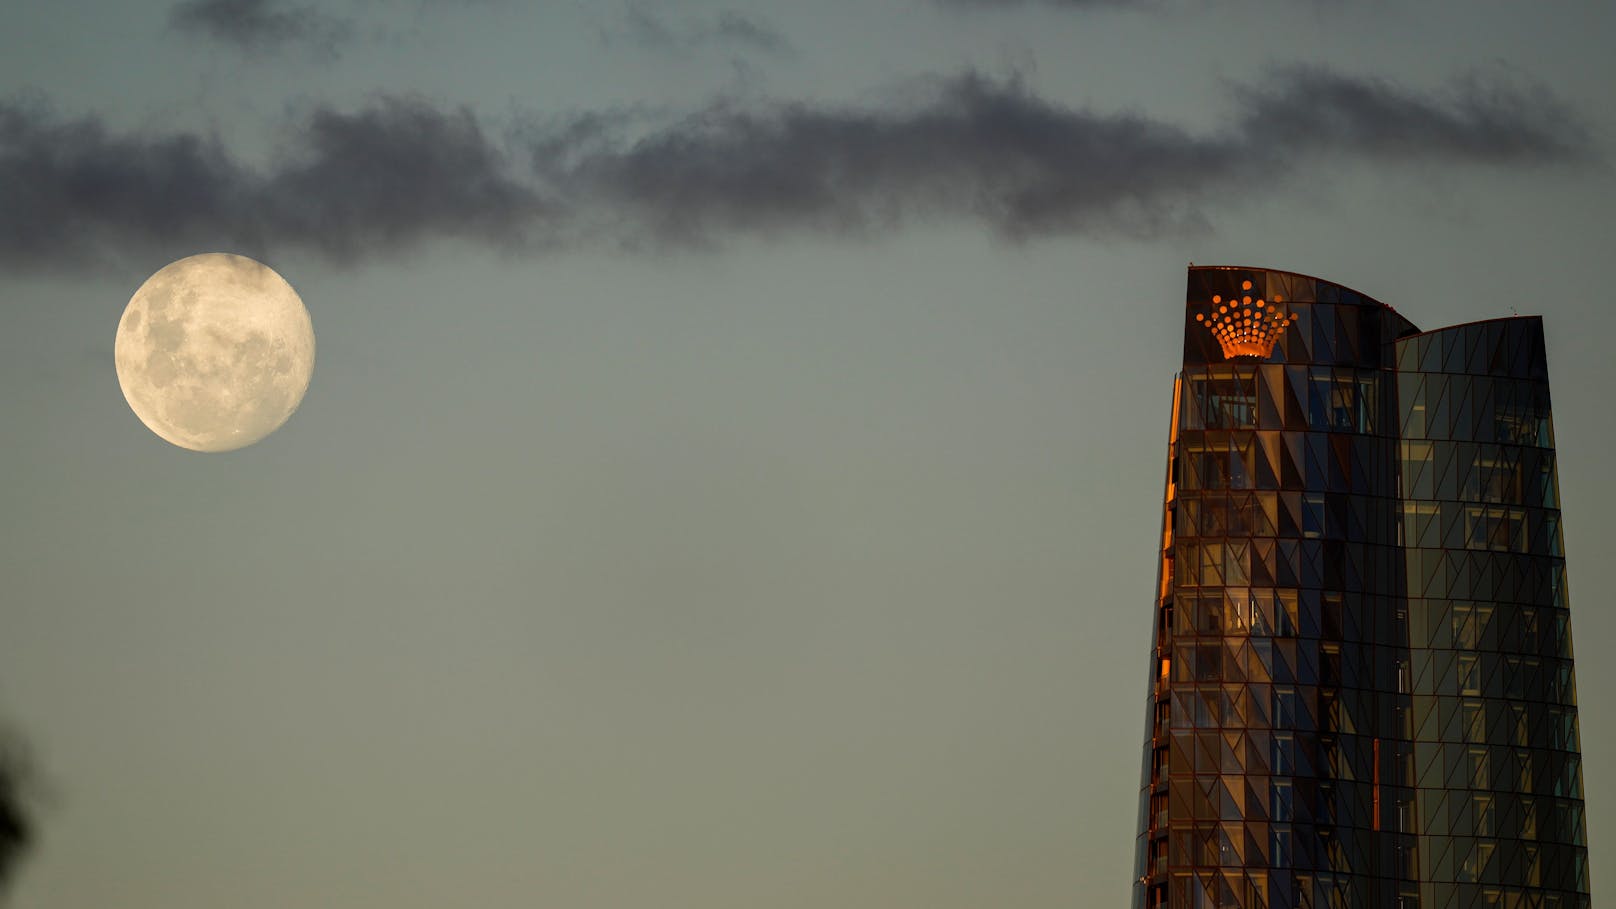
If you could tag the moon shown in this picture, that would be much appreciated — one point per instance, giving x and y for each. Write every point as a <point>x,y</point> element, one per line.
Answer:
<point>214,352</point>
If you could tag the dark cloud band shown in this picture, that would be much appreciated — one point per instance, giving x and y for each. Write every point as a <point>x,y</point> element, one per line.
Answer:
<point>1309,109</point>
<point>382,179</point>
<point>400,172</point>
<point>976,148</point>
<point>263,26</point>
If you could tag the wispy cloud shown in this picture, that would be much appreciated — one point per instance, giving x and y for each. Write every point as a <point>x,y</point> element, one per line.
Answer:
<point>1059,4</point>
<point>645,28</point>
<point>264,27</point>
<point>1311,109</point>
<point>736,28</point>
<point>402,172</point>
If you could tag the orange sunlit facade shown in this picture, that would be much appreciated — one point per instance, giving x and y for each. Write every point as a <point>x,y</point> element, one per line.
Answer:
<point>1361,688</point>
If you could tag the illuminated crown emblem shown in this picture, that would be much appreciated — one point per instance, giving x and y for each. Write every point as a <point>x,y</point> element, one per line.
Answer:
<point>1246,327</point>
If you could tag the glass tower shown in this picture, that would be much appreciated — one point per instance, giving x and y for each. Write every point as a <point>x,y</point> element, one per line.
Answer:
<point>1361,692</point>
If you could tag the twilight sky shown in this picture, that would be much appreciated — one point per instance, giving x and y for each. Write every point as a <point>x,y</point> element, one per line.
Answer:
<point>732,469</point>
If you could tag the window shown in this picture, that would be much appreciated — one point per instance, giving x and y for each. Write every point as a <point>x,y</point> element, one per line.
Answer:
<point>1286,613</point>
<point>1231,406</point>
<point>1211,565</point>
<point>1468,668</point>
<point>1282,755</point>
<point>1517,420</point>
<point>1235,558</point>
<point>1479,776</point>
<point>1283,800</point>
<point>1470,627</point>
<point>1495,527</point>
<point>1481,807</point>
<point>1226,401</point>
<point>1341,402</point>
<point>1417,474</point>
<point>1499,475</point>
<point>1279,848</point>
<point>1158,815</point>
<point>1475,720</point>
<point>1285,708</point>
<point>1329,663</point>
<point>1313,515</point>
<point>1415,424</point>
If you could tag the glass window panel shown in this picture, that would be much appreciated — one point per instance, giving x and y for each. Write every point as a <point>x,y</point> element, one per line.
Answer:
<point>1286,613</point>
<point>1235,561</point>
<point>1234,705</point>
<point>1231,403</point>
<point>1206,708</point>
<point>1476,756</point>
<point>1313,514</point>
<point>1240,519</point>
<point>1468,671</point>
<point>1282,753</point>
<point>1463,617</point>
<point>1473,714</point>
<point>1211,564</point>
<point>1282,796</point>
<point>1483,815</point>
<point>1367,400</point>
<point>1279,847</point>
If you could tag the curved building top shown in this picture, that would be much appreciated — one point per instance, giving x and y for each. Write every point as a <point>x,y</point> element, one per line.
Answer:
<point>1244,315</point>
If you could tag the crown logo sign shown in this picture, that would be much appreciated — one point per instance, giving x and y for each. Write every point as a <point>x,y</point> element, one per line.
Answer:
<point>1246,327</point>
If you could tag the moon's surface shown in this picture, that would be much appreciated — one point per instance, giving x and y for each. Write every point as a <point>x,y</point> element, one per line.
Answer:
<point>214,352</point>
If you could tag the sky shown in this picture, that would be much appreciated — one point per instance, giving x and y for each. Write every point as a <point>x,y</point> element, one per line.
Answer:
<point>732,468</point>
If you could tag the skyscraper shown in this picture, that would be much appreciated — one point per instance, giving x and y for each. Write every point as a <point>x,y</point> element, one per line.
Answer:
<point>1361,691</point>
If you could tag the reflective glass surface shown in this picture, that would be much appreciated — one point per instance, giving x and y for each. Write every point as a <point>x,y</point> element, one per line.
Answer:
<point>1360,688</point>
<point>1497,774</point>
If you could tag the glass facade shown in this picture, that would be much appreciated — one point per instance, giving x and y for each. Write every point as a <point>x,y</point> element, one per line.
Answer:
<point>1496,774</point>
<point>1360,686</point>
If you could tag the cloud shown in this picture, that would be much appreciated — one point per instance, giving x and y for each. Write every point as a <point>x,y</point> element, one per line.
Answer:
<point>74,193</point>
<point>641,26</point>
<point>1316,110</point>
<point>990,151</point>
<point>1059,4</point>
<point>392,175</point>
<point>399,173</point>
<point>644,28</point>
<point>974,147</point>
<point>73,188</point>
<point>263,27</point>
<point>747,31</point>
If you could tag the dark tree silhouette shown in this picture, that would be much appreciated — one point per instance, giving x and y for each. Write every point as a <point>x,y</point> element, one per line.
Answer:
<point>15,831</point>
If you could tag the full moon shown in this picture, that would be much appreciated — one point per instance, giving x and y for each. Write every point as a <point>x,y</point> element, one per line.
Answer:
<point>214,352</point>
